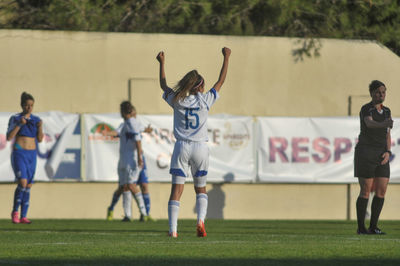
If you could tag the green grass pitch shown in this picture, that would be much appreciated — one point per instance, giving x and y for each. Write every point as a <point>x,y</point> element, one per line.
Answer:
<point>229,242</point>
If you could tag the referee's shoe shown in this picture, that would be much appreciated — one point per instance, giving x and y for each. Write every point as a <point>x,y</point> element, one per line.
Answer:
<point>375,231</point>
<point>362,231</point>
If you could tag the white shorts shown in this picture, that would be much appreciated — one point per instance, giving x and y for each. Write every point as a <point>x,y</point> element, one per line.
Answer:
<point>189,154</point>
<point>128,175</point>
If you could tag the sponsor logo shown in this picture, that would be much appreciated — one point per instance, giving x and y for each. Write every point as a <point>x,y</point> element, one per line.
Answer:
<point>237,136</point>
<point>312,150</point>
<point>100,127</point>
<point>44,151</point>
<point>96,132</point>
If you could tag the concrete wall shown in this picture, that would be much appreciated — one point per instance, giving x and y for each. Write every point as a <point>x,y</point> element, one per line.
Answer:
<point>82,72</point>
<point>89,72</point>
<point>228,201</point>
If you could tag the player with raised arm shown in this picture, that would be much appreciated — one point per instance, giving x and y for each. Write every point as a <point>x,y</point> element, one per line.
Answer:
<point>143,180</point>
<point>27,129</point>
<point>130,161</point>
<point>371,157</point>
<point>191,108</point>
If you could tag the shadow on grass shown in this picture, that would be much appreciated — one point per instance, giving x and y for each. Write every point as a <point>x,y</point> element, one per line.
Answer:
<point>186,261</point>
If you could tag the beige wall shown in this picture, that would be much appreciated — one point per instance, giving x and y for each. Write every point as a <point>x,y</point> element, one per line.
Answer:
<point>82,72</point>
<point>229,201</point>
<point>89,72</point>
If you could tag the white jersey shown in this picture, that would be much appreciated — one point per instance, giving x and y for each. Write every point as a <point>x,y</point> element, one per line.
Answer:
<point>129,133</point>
<point>190,114</point>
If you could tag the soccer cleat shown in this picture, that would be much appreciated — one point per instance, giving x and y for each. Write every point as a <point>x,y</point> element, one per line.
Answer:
<point>15,218</point>
<point>362,231</point>
<point>173,234</point>
<point>146,218</point>
<point>150,219</point>
<point>143,218</point>
<point>375,231</point>
<point>126,219</point>
<point>25,221</point>
<point>201,230</point>
<point>110,215</point>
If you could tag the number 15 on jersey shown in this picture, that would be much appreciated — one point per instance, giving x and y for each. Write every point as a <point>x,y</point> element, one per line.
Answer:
<point>190,115</point>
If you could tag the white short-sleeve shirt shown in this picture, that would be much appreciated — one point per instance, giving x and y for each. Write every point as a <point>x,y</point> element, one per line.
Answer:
<point>129,133</point>
<point>190,114</point>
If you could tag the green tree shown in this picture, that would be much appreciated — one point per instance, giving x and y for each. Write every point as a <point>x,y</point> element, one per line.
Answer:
<point>307,19</point>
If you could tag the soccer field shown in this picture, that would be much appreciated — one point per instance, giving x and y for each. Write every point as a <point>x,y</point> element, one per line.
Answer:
<point>229,242</point>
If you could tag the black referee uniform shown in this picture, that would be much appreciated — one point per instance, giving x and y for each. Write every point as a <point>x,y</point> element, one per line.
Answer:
<point>372,144</point>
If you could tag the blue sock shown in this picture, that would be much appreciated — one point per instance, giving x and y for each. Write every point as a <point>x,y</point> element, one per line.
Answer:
<point>19,191</point>
<point>114,201</point>
<point>146,198</point>
<point>25,202</point>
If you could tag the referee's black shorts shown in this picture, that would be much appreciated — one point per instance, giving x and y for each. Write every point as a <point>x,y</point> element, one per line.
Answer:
<point>367,162</point>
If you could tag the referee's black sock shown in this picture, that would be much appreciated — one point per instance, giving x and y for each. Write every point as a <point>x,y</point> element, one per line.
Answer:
<point>376,207</point>
<point>361,206</point>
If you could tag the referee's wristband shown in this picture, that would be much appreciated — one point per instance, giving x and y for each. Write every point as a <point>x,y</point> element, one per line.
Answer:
<point>390,153</point>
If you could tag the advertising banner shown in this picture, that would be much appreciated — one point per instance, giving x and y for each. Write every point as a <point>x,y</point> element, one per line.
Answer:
<point>242,149</point>
<point>312,150</point>
<point>230,143</point>
<point>65,162</point>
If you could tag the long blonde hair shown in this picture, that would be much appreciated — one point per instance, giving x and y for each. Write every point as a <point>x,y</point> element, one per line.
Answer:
<point>189,84</point>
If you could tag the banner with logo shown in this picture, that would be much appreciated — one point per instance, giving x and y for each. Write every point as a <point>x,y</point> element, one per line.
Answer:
<point>312,150</point>
<point>294,150</point>
<point>228,135</point>
<point>55,124</point>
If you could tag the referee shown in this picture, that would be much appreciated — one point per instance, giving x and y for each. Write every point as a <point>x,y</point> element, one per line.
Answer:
<point>371,158</point>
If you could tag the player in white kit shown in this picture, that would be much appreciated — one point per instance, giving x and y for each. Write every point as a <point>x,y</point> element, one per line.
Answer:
<point>142,181</point>
<point>191,108</point>
<point>130,160</point>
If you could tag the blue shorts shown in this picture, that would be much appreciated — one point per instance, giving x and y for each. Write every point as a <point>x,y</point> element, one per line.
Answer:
<point>143,178</point>
<point>23,163</point>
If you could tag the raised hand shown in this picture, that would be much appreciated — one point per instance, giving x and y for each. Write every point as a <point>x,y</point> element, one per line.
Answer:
<point>222,75</point>
<point>163,81</point>
<point>226,51</point>
<point>161,57</point>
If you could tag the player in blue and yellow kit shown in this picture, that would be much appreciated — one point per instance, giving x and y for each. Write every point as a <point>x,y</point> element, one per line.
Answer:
<point>27,129</point>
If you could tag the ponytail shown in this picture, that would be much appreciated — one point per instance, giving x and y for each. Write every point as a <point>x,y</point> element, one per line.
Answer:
<point>189,84</point>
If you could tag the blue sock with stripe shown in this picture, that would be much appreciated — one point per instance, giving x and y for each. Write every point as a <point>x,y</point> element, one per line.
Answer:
<point>114,201</point>
<point>25,202</point>
<point>19,191</point>
<point>146,198</point>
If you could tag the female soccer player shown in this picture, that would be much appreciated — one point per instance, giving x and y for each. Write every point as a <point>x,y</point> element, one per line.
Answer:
<point>26,128</point>
<point>191,108</point>
<point>129,164</point>
<point>143,180</point>
<point>371,158</point>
